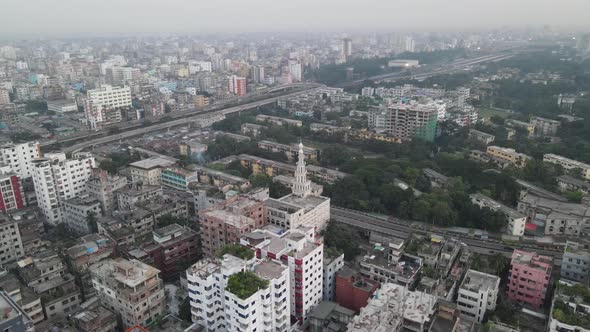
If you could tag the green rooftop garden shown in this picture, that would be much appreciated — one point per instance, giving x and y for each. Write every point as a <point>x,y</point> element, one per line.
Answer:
<point>236,250</point>
<point>565,314</point>
<point>244,284</point>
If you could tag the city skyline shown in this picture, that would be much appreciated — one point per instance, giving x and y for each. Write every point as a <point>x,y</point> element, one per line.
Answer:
<point>177,16</point>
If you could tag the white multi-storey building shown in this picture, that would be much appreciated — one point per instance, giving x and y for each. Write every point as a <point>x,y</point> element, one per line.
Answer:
<point>333,262</point>
<point>568,164</point>
<point>298,249</point>
<point>58,179</point>
<point>19,157</point>
<point>233,294</point>
<point>103,105</point>
<point>296,70</point>
<point>477,294</point>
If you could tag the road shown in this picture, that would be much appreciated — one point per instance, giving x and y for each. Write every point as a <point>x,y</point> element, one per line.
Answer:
<point>401,230</point>
<point>185,114</point>
<point>174,123</point>
<point>437,70</point>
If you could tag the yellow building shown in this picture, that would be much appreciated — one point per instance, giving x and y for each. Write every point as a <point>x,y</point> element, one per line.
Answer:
<point>515,158</point>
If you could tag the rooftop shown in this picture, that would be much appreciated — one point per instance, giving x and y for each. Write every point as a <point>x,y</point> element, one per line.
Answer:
<point>532,260</point>
<point>130,273</point>
<point>268,269</point>
<point>475,281</point>
<point>151,163</point>
<point>244,284</point>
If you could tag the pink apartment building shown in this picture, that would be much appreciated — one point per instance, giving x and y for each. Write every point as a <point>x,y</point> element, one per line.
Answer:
<point>529,278</point>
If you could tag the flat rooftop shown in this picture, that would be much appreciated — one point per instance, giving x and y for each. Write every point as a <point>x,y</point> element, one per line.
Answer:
<point>308,203</point>
<point>151,163</point>
<point>268,269</point>
<point>475,281</point>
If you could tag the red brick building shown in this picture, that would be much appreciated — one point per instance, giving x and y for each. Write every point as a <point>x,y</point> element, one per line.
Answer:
<point>352,290</point>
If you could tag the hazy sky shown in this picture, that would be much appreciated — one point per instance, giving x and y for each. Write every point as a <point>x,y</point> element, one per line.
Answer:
<point>132,16</point>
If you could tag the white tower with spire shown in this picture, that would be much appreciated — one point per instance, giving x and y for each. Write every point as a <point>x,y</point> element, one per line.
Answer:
<point>302,186</point>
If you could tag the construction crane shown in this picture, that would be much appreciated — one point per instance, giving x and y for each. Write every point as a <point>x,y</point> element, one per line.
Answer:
<point>137,328</point>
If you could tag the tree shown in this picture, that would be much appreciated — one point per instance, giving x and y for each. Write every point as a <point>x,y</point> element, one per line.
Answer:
<point>92,222</point>
<point>343,238</point>
<point>184,310</point>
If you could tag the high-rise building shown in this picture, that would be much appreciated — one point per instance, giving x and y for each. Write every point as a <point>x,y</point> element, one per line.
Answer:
<point>4,97</point>
<point>346,48</point>
<point>529,278</point>
<point>132,289</point>
<point>296,70</point>
<point>58,179</point>
<point>410,45</point>
<point>236,85</point>
<point>11,196</point>
<point>19,156</point>
<point>257,73</point>
<point>298,249</point>
<point>236,294</point>
<point>103,105</point>
<point>405,119</point>
<point>121,76</point>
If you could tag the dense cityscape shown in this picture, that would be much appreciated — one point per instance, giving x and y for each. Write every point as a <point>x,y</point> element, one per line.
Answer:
<point>426,181</point>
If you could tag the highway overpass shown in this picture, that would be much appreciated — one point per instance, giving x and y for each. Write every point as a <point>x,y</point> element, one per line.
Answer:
<point>403,230</point>
<point>183,121</point>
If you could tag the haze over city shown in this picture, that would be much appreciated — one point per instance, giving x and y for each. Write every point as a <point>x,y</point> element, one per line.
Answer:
<point>71,17</point>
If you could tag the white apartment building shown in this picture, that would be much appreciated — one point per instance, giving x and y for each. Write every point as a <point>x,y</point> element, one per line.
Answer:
<point>57,179</point>
<point>103,105</point>
<point>19,157</point>
<point>333,262</point>
<point>516,220</point>
<point>217,306</point>
<point>131,289</point>
<point>568,164</point>
<point>11,246</point>
<point>477,294</point>
<point>296,70</point>
<point>298,249</point>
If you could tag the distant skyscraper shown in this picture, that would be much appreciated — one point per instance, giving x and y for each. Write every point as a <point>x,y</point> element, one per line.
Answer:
<point>410,44</point>
<point>236,85</point>
<point>347,48</point>
<point>257,73</point>
<point>296,70</point>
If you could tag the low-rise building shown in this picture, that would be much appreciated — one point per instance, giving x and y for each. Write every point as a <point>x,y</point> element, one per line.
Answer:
<point>480,136</point>
<point>570,311</point>
<point>14,318</point>
<point>329,316</point>
<point>95,319</point>
<point>575,264</point>
<point>178,178</point>
<point>353,291</point>
<point>291,151</point>
<point>132,289</point>
<point>545,127</point>
<point>252,129</point>
<point>173,248</point>
<point>278,120</point>
<point>515,158</point>
<point>129,196</point>
<point>552,217</point>
<point>515,221</point>
<point>62,106</point>
<point>529,278</point>
<point>395,308</point>
<point>570,183</point>
<point>477,294</point>
<point>91,249</point>
<point>81,213</point>
<point>568,164</point>
<point>388,264</point>
<point>147,171</point>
